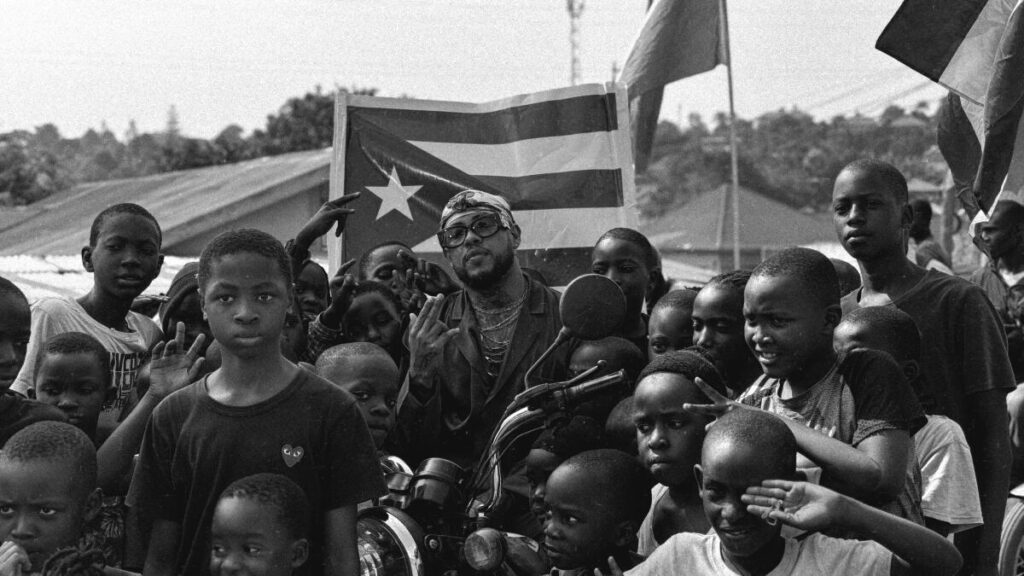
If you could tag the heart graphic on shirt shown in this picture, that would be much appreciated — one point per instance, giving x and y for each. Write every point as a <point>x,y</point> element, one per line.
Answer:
<point>292,455</point>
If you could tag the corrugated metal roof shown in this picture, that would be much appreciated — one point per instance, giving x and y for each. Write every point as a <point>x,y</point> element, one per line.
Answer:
<point>186,203</point>
<point>63,275</point>
<point>705,223</point>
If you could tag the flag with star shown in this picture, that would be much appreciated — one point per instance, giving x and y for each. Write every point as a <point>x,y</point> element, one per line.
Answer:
<point>561,158</point>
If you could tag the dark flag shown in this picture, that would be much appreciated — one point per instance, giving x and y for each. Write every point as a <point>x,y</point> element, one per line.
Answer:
<point>561,158</point>
<point>976,49</point>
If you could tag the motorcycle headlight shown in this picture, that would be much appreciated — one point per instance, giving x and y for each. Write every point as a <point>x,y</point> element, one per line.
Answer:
<point>388,542</point>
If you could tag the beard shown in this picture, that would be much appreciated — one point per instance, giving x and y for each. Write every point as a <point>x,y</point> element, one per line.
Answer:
<point>489,277</point>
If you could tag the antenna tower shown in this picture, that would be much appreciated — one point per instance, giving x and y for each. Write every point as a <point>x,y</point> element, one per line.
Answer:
<point>575,8</point>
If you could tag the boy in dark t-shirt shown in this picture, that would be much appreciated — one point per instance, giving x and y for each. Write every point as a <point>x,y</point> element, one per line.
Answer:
<point>853,419</point>
<point>964,358</point>
<point>256,413</point>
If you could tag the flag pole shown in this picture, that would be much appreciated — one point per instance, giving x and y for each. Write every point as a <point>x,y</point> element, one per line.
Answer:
<point>735,192</point>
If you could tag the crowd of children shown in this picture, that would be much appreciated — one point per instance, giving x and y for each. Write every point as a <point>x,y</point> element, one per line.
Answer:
<point>797,418</point>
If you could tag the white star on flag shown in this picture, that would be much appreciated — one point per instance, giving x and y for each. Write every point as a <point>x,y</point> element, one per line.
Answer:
<point>394,196</point>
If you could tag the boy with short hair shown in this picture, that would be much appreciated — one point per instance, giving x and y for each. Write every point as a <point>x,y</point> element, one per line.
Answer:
<point>718,328</point>
<point>595,502</point>
<point>964,356</point>
<point>949,495</point>
<point>671,324</point>
<point>16,412</point>
<point>367,372</point>
<point>746,485</point>
<point>852,419</point>
<point>124,256</point>
<point>556,444</point>
<point>669,440</point>
<point>288,420</point>
<point>47,493</point>
<point>265,511</point>
<point>73,374</point>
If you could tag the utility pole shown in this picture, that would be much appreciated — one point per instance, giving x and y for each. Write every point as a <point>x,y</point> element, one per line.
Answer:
<point>575,8</point>
<point>615,70</point>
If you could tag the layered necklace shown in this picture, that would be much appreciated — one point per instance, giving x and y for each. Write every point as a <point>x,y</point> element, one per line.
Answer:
<point>497,326</point>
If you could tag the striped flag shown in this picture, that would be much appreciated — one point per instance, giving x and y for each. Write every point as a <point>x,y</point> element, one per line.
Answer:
<point>561,158</point>
<point>976,49</point>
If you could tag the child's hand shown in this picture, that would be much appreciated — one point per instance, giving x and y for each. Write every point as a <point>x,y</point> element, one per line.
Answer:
<point>173,368</point>
<point>719,403</point>
<point>342,286</point>
<point>320,223</point>
<point>14,560</point>
<point>805,506</point>
<point>427,338</point>
<point>613,569</point>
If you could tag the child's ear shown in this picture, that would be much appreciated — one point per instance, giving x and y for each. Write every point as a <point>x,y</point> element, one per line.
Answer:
<point>87,258</point>
<point>655,285</point>
<point>300,552</point>
<point>906,216</point>
<point>833,315</point>
<point>92,505</point>
<point>911,370</point>
<point>625,534</point>
<point>111,394</point>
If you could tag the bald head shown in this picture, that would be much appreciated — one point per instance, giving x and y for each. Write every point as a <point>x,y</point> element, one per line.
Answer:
<point>341,363</point>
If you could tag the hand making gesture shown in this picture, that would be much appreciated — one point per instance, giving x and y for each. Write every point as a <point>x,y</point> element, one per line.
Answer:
<point>427,338</point>
<point>342,285</point>
<point>799,504</point>
<point>331,213</point>
<point>14,561</point>
<point>172,367</point>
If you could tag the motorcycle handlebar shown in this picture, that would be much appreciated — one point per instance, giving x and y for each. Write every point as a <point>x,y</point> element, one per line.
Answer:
<point>570,396</point>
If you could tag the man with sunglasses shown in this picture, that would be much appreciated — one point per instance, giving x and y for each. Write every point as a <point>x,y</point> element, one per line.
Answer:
<point>470,350</point>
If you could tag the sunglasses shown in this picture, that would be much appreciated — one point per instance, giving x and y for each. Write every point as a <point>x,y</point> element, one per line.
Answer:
<point>483,227</point>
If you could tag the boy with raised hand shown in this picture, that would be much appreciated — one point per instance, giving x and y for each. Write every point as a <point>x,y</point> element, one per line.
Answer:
<point>949,490</point>
<point>257,413</point>
<point>964,355</point>
<point>746,478</point>
<point>124,256</point>
<point>852,419</point>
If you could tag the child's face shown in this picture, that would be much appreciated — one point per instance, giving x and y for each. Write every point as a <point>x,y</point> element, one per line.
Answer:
<point>718,327</point>
<point>246,299</point>
<point>126,257</point>
<point>669,438</point>
<point>588,354</point>
<point>579,531</point>
<point>15,327</point>
<point>311,289</point>
<point>373,318</point>
<point>42,508</point>
<point>385,266</point>
<point>868,220</point>
<point>623,262</point>
<point>374,384</point>
<point>75,383</point>
<point>539,465</point>
<point>785,327</point>
<point>190,312</point>
<point>724,476</point>
<point>669,329</point>
<point>247,538</point>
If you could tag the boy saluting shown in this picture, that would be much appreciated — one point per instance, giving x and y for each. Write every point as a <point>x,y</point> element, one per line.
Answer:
<point>964,355</point>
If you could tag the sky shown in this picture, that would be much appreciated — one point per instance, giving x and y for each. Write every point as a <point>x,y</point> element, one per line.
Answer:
<point>80,63</point>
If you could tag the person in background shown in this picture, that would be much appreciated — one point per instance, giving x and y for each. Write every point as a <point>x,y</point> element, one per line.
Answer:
<point>718,328</point>
<point>671,324</point>
<point>628,258</point>
<point>964,357</point>
<point>928,253</point>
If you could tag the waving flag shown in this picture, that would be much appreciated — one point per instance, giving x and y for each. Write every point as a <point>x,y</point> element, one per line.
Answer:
<point>561,158</point>
<point>678,39</point>
<point>976,49</point>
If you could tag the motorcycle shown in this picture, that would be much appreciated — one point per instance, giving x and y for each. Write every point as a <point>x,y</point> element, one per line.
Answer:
<point>440,520</point>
